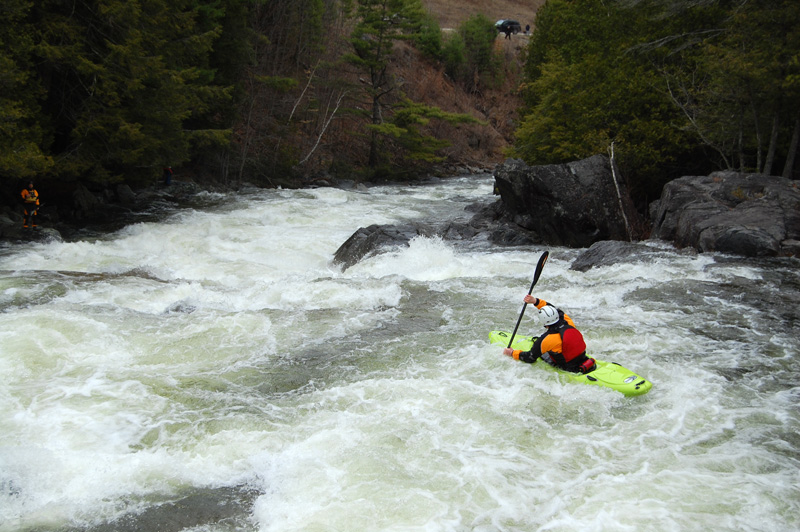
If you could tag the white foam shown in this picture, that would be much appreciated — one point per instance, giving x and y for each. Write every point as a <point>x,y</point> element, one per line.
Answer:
<point>220,348</point>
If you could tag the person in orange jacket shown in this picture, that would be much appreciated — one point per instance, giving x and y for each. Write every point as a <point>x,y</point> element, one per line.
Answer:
<point>30,201</point>
<point>561,345</point>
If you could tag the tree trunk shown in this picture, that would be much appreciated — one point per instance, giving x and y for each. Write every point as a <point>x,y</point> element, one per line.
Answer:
<point>373,139</point>
<point>773,142</point>
<point>789,166</point>
<point>742,167</point>
<point>757,127</point>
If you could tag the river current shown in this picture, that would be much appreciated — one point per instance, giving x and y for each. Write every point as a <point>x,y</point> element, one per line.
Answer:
<point>214,371</point>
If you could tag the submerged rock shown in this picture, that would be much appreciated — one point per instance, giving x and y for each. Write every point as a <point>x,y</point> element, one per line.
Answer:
<point>609,252</point>
<point>368,240</point>
<point>228,508</point>
<point>489,224</point>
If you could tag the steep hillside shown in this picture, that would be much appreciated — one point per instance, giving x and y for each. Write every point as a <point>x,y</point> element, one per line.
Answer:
<point>340,146</point>
<point>497,104</point>
<point>328,142</point>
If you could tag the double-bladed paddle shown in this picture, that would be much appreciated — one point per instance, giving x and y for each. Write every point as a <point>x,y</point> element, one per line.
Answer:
<point>537,273</point>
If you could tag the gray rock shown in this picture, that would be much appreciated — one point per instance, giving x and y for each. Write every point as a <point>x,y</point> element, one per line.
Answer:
<point>491,223</point>
<point>84,202</point>
<point>13,230</point>
<point>573,204</point>
<point>610,252</point>
<point>488,224</point>
<point>125,194</point>
<point>368,240</point>
<point>753,215</point>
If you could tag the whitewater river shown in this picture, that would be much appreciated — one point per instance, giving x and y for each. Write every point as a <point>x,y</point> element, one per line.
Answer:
<point>213,371</point>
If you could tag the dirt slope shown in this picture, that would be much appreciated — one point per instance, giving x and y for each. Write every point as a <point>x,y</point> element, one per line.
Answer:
<point>450,13</point>
<point>496,105</point>
<point>495,102</point>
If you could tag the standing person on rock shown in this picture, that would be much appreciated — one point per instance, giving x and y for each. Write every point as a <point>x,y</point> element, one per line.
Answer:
<point>561,345</point>
<point>167,175</point>
<point>30,203</point>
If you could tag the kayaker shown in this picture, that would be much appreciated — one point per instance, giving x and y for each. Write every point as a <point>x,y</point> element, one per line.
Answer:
<point>30,204</point>
<point>561,345</point>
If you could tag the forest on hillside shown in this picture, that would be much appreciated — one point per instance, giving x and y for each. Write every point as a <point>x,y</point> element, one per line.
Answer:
<point>270,91</point>
<point>672,87</point>
<point>276,91</point>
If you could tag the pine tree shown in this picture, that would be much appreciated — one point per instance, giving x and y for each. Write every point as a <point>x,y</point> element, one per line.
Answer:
<point>380,24</point>
<point>124,78</point>
<point>22,136</point>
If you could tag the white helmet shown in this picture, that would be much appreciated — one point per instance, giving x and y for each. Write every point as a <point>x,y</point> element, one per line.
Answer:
<point>548,314</point>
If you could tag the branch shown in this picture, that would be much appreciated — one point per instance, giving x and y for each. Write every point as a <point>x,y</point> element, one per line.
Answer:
<point>325,127</point>
<point>619,195</point>
<point>694,124</point>
<point>300,98</point>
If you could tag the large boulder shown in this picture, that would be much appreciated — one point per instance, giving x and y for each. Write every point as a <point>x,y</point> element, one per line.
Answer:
<point>753,215</point>
<point>574,204</point>
<point>85,204</point>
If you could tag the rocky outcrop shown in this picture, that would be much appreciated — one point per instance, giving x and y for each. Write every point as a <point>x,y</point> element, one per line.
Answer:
<point>487,225</point>
<point>573,204</point>
<point>752,215</point>
<point>13,230</point>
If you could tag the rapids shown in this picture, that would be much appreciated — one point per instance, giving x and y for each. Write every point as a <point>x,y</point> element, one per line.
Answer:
<point>213,371</point>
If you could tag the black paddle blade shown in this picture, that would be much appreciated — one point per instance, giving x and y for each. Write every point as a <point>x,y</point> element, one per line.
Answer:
<point>536,274</point>
<point>539,268</point>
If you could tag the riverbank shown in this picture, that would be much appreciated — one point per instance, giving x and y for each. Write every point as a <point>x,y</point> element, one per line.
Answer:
<point>81,212</point>
<point>72,212</point>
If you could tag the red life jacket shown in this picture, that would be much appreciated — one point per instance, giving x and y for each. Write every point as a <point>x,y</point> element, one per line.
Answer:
<point>573,349</point>
<point>572,343</point>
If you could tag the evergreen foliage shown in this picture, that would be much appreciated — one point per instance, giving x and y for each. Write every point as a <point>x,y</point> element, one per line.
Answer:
<point>454,56</point>
<point>406,126</point>
<point>128,84</point>
<point>380,24</point>
<point>429,37</point>
<point>112,90</point>
<point>677,88</point>
<point>396,123</point>
<point>22,135</point>
<point>468,54</point>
